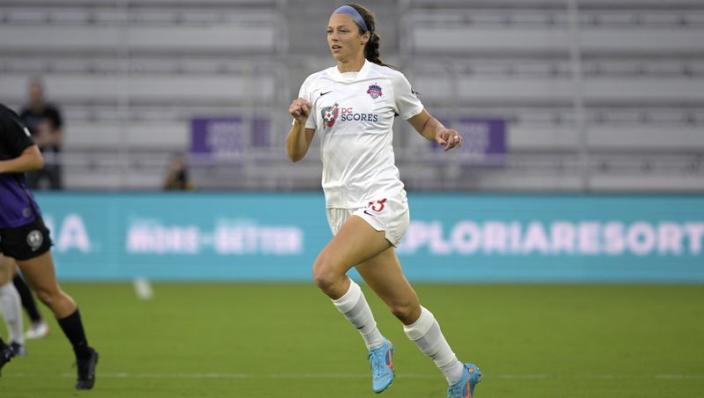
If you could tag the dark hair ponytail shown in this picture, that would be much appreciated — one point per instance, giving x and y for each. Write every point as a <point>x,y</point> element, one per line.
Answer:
<point>371,49</point>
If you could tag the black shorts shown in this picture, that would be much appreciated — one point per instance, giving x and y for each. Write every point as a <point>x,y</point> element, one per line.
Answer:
<point>25,242</point>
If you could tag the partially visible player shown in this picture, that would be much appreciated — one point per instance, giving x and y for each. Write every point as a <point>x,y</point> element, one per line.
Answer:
<point>25,238</point>
<point>5,353</point>
<point>352,107</point>
<point>11,308</point>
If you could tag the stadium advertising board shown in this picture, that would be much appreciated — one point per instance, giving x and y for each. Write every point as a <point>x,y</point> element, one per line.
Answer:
<point>452,237</point>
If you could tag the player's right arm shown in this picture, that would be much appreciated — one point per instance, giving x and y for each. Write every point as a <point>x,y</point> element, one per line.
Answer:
<point>29,160</point>
<point>299,137</point>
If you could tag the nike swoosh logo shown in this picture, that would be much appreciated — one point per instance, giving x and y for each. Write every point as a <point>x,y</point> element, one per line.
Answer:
<point>366,212</point>
<point>327,92</point>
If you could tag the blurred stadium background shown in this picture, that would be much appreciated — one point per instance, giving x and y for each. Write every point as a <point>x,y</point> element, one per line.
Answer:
<point>608,97</point>
<point>584,166</point>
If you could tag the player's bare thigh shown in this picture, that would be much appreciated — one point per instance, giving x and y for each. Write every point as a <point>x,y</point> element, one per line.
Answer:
<point>383,273</point>
<point>354,243</point>
<point>41,276</point>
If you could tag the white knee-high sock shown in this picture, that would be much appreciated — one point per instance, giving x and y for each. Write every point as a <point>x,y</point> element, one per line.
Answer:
<point>426,333</point>
<point>354,307</point>
<point>12,310</point>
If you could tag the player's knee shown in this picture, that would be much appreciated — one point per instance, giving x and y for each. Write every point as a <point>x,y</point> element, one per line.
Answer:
<point>406,311</point>
<point>323,275</point>
<point>48,295</point>
<point>323,279</point>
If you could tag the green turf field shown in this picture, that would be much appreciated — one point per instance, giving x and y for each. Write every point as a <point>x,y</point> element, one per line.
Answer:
<point>246,340</point>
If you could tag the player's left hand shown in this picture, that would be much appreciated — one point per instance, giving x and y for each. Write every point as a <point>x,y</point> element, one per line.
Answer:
<point>448,139</point>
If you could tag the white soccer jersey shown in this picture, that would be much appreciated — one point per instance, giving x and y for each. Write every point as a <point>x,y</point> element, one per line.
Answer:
<point>353,113</point>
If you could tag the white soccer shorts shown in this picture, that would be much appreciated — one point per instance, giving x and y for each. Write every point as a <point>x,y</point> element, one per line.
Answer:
<point>390,215</point>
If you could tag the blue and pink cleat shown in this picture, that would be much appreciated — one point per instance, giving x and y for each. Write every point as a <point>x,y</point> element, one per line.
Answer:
<point>381,361</point>
<point>465,387</point>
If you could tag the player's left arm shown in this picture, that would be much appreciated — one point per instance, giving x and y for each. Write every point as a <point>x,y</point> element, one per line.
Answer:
<point>433,130</point>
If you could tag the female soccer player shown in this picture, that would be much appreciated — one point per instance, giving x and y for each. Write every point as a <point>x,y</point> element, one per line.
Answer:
<point>25,238</point>
<point>352,106</point>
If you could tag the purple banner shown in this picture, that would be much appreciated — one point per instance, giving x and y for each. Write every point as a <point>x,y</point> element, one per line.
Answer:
<point>261,132</point>
<point>217,137</point>
<point>484,138</point>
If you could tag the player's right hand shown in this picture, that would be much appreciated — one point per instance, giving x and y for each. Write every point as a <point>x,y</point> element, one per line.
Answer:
<point>299,109</point>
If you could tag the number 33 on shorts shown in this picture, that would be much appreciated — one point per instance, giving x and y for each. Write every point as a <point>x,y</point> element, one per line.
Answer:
<point>376,206</point>
<point>388,214</point>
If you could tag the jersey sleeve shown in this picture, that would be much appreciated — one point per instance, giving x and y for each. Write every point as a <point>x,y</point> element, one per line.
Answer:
<point>305,92</point>
<point>407,102</point>
<point>14,133</point>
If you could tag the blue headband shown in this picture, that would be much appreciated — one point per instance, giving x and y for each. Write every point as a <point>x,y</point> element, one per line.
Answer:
<point>356,16</point>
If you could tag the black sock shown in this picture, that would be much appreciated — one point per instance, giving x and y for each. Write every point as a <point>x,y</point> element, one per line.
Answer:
<point>28,302</point>
<point>2,344</point>
<point>73,329</point>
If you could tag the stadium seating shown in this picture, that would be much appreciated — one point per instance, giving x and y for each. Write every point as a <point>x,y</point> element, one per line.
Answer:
<point>639,91</point>
<point>130,79</point>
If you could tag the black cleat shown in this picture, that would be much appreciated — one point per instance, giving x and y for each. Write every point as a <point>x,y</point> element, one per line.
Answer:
<point>86,370</point>
<point>5,355</point>
<point>17,349</point>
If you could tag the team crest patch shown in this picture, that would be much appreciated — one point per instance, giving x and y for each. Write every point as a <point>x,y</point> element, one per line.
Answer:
<point>35,240</point>
<point>329,114</point>
<point>374,91</point>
